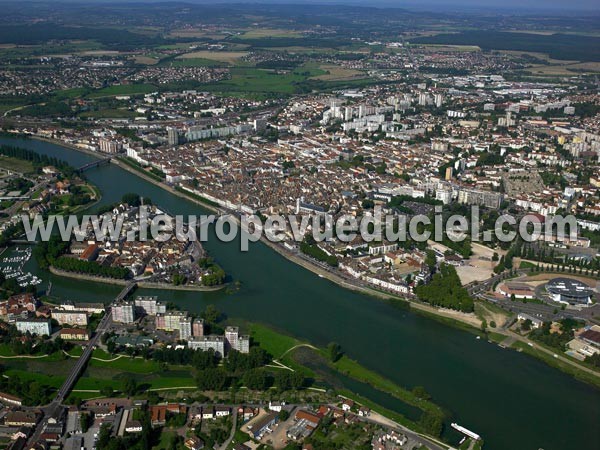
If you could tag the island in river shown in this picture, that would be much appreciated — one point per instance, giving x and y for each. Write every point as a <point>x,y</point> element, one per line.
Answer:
<point>512,400</point>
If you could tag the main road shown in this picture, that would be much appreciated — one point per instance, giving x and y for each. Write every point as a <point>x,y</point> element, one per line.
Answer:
<point>77,369</point>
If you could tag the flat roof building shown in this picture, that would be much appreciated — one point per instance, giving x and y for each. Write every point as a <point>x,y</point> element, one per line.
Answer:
<point>124,313</point>
<point>40,327</point>
<point>217,343</point>
<point>569,291</point>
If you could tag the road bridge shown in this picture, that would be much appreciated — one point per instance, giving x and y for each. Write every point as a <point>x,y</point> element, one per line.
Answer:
<point>97,163</point>
<point>79,367</point>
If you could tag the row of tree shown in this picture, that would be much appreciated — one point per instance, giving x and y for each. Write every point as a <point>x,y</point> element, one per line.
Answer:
<point>91,268</point>
<point>38,160</point>
<point>310,248</point>
<point>446,290</point>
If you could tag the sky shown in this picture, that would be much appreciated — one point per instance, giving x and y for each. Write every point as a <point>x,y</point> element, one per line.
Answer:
<point>457,4</point>
<point>505,5</point>
<point>517,6</point>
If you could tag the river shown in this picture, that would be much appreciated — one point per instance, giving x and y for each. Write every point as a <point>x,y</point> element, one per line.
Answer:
<point>512,400</point>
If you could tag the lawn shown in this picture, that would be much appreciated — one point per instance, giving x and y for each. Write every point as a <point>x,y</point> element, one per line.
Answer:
<point>274,343</point>
<point>354,370</point>
<point>16,165</point>
<point>555,362</point>
<point>101,374</point>
<point>527,265</point>
<point>131,365</point>
<point>165,442</point>
<point>5,350</point>
<point>24,375</point>
<point>339,73</point>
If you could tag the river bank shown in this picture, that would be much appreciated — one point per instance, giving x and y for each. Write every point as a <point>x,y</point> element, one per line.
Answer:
<point>463,319</point>
<point>457,319</point>
<point>141,284</point>
<point>460,372</point>
<point>314,363</point>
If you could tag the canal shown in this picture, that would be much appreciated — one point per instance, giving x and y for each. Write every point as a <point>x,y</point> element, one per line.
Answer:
<point>512,400</point>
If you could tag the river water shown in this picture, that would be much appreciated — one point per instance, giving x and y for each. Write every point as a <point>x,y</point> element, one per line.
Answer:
<point>512,400</point>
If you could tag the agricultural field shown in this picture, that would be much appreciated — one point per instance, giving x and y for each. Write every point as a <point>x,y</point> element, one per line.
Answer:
<point>225,57</point>
<point>257,33</point>
<point>251,80</point>
<point>147,60</point>
<point>557,45</point>
<point>338,73</point>
<point>196,62</point>
<point>195,33</point>
<point>451,48</point>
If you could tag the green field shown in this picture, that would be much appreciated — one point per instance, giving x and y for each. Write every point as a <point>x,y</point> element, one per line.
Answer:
<point>269,32</point>
<point>276,344</point>
<point>279,344</point>
<point>130,365</point>
<point>555,362</point>
<point>17,165</point>
<point>557,45</point>
<point>98,376</point>
<point>124,89</point>
<point>251,80</point>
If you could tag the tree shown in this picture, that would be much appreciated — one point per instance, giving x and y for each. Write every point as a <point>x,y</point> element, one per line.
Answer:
<point>212,379</point>
<point>132,199</point>
<point>432,423</point>
<point>284,415</point>
<point>106,391</point>
<point>420,392</point>
<point>285,380</point>
<point>430,259</point>
<point>335,351</point>
<point>130,386</point>
<point>211,314</point>
<point>85,421</point>
<point>446,290</point>
<point>256,379</point>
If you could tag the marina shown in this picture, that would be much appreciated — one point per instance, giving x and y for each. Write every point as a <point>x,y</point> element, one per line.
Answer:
<point>12,265</point>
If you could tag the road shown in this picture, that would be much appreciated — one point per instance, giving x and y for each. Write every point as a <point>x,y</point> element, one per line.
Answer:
<point>80,364</point>
<point>426,441</point>
<point>233,428</point>
<point>77,369</point>
<point>13,209</point>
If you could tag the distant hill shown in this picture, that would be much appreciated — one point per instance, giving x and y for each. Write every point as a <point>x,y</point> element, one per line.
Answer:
<point>557,46</point>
